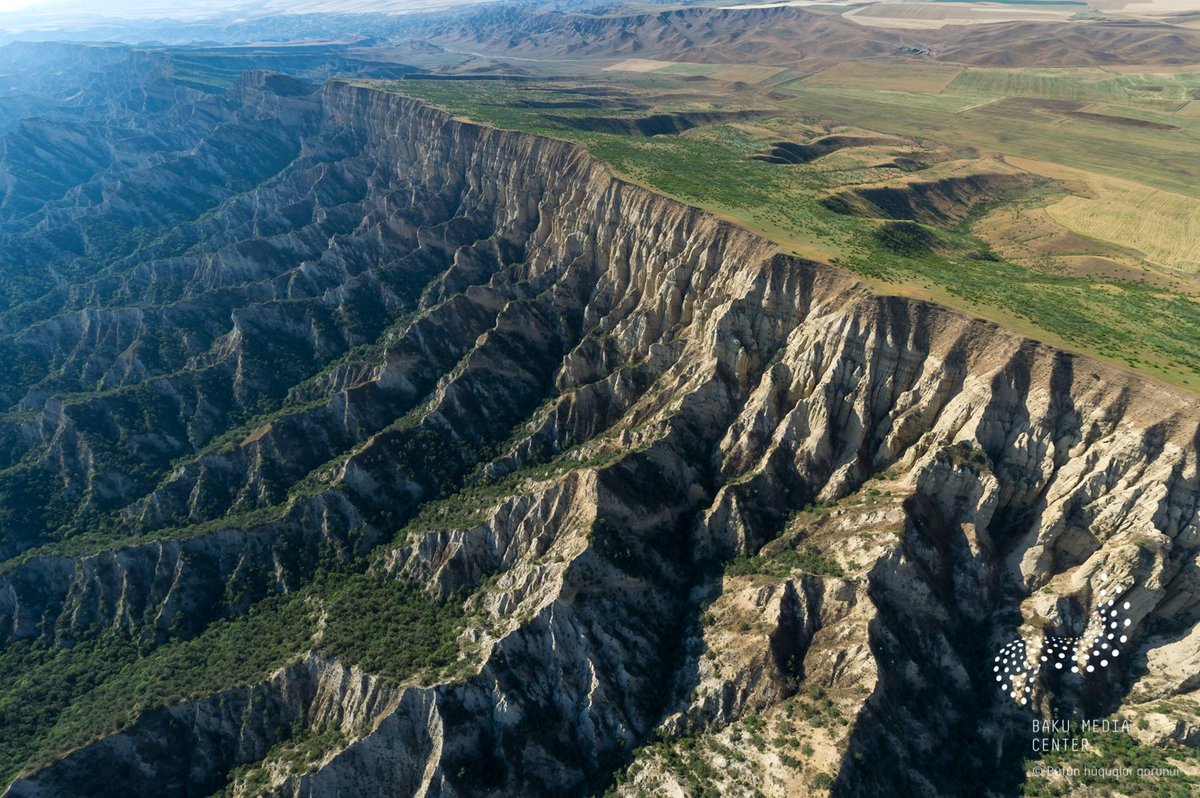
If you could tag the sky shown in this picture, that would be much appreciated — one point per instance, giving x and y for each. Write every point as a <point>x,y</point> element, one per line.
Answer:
<point>129,8</point>
<point>194,9</point>
<point>132,8</point>
<point>118,20</point>
<point>122,20</point>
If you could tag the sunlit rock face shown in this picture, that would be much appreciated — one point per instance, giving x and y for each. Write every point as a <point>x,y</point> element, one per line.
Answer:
<point>320,308</point>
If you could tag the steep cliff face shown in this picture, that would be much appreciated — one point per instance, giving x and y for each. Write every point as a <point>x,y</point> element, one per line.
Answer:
<point>577,402</point>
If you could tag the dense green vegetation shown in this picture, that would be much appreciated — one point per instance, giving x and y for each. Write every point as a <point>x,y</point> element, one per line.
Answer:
<point>905,238</point>
<point>54,698</point>
<point>389,629</point>
<point>807,559</point>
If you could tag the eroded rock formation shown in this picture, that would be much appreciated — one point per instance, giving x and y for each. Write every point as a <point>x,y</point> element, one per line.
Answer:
<point>628,393</point>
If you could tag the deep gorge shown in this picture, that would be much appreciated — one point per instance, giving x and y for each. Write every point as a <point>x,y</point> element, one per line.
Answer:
<point>562,403</point>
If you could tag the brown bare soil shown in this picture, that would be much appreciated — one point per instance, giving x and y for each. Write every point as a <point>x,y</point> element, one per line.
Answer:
<point>1123,121</point>
<point>1030,233</point>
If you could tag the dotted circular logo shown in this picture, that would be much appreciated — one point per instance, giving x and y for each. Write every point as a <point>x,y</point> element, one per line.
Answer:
<point>1020,662</point>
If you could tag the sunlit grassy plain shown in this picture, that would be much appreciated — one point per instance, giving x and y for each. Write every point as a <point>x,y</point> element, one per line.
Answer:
<point>1147,318</point>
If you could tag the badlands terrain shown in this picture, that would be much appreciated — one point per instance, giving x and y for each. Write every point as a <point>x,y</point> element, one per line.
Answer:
<point>625,401</point>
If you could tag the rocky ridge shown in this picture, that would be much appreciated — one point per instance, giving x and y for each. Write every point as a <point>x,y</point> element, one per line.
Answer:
<point>620,393</point>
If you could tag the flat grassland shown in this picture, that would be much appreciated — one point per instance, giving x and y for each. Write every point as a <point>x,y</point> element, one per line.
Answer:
<point>920,77</point>
<point>1064,84</point>
<point>746,73</point>
<point>1104,247</point>
<point>1040,127</point>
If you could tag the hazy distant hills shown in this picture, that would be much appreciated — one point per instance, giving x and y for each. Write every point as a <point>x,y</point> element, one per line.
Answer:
<point>796,36</point>
<point>776,35</point>
<point>512,429</point>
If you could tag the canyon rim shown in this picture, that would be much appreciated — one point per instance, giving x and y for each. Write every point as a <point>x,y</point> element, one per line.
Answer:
<point>556,400</point>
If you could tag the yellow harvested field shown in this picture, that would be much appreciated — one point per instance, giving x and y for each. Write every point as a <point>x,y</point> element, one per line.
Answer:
<point>638,65</point>
<point>1163,226</point>
<point>931,16</point>
<point>746,73</point>
<point>732,73</point>
<point>679,68</point>
<point>885,76</point>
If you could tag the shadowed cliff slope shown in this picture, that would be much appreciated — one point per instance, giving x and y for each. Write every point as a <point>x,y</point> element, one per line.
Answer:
<point>434,355</point>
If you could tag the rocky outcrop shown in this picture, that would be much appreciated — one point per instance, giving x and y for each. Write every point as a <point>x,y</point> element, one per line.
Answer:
<point>615,394</point>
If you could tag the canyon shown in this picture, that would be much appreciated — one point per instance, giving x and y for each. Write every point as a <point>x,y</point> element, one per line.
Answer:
<point>697,505</point>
